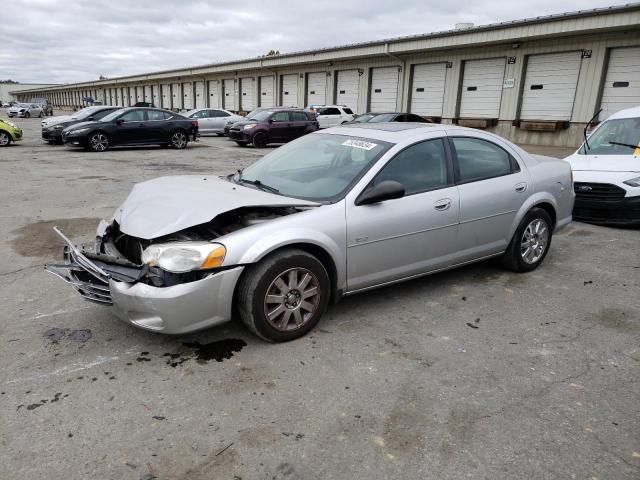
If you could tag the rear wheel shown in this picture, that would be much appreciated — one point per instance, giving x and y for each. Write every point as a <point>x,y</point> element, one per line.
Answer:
<point>259,140</point>
<point>5,139</point>
<point>283,297</point>
<point>98,142</point>
<point>179,140</point>
<point>530,243</point>
<point>27,114</point>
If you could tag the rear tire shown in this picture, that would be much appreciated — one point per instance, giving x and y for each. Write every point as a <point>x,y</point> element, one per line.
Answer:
<point>98,142</point>
<point>5,139</point>
<point>530,243</point>
<point>259,140</point>
<point>283,297</point>
<point>179,140</point>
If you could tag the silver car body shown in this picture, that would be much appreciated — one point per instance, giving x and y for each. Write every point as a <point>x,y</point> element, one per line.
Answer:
<point>21,109</point>
<point>212,120</point>
<point>364,246</point>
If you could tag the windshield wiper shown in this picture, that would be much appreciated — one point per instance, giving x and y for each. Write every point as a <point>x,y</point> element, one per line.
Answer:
<point>624,144</point>
<point>237,177</point>
<point>584,132</point>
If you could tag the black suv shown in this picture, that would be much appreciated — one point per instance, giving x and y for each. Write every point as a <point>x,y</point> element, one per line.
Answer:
<point>273,125</point>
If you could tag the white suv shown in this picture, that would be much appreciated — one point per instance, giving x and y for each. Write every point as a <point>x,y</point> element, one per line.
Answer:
<point>333,115</point>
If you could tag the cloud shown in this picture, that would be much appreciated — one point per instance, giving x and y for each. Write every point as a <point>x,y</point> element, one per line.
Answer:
<point>57,41</point>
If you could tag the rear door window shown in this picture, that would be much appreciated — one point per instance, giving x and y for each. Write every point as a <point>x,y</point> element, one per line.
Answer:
<point>298,117</point>
<point>157,115</point>
<point>480,159</point>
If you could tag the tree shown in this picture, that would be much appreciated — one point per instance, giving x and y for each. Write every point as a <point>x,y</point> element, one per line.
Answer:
<point>272,52</point>
<point>9,81</point>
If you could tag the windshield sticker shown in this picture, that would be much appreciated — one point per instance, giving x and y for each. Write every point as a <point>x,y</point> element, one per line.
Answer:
<point>360,144</point>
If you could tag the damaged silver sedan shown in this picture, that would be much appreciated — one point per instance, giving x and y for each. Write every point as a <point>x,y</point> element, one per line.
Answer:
<point>331,214</point>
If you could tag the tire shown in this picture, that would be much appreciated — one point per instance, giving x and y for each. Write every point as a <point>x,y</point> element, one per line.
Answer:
<point>41,115</point>
<point>5,139</point>
<point>178,140</point>
<point>530,243</point>
<point>98,142</point>
<point>274,311</point>
<point>27,114</point>
<point>259,140</point>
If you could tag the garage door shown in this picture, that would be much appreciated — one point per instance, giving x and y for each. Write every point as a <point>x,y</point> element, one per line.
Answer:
<point>176,96</point>
<point>348,88</point>
<point>148,93</point>
<point>622,83</point>
<point>229,95</point>
<point>200,98</point>
<point>384,89</point>
<point>166,95</point>
<point>155,95</point>
<point>119,97</point>
<point>266,92</point>
<point>550,86</point>
<point>289,90</point>
<point>317,88</point>
<point>482,85</point>
<point>247,102</point>
<point>427,89</point>
<point>214,93</point>
<point>187,93</point>
<point>132,96</point>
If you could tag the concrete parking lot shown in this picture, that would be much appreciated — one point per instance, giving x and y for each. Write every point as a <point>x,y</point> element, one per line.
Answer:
<point>474,373</point>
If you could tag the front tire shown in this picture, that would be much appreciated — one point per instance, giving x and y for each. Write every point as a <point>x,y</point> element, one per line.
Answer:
<point>5,139</point>
<point>27,114</point>
<point>179,140</point>
<point>41,115</point>
<point>283,297</point>
<point>259,140</point>
<point>530,243</point>
<point>98,142</point>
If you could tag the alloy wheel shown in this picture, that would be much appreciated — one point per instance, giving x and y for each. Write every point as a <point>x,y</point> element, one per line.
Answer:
<point>99,142</point>
<point>179,140</point>
<point>535,239</point>
<point>292,299</point>
<point>4,139</point>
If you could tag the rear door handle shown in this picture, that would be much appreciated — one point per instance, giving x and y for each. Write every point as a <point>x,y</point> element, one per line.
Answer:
<point>521,187</point>
<point>442,204</point>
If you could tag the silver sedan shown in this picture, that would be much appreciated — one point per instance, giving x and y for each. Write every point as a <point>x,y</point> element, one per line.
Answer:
<point>331,214</point>
<point>212,120</point>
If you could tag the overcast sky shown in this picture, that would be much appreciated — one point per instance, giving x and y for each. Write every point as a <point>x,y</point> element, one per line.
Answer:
<point>57,41</point>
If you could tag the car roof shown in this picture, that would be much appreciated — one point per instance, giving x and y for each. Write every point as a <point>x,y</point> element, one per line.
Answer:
<point>633,112</point>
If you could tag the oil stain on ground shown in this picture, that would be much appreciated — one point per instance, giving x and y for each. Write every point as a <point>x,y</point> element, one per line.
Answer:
<point>204,352</point>
<point>39,240</point>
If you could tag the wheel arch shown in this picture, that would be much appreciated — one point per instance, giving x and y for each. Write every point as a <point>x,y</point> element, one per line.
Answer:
<point>543,200</point>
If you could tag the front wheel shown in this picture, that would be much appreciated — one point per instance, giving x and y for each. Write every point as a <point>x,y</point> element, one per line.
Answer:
<point>98,142</point>
<point>259,140</point>
<point>5,139</point>
<point>41,115</point>
<point>179,140</point>
<point>531,242</point>
<point>283,297</point>
<point>27,114</point>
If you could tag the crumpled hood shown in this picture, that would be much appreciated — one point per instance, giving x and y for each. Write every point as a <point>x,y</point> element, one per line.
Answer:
<point>169,204</point>
<point>604,163</point>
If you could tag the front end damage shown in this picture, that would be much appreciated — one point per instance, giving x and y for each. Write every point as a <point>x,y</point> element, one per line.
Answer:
<point>112,273</point>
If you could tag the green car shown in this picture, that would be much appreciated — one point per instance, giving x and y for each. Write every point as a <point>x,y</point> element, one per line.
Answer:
<point>9,132</point>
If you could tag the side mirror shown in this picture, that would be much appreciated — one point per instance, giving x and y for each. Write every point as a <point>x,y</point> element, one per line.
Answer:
<point>90,119</point>
<point>271,120</point>
<point>386,190</point>
<point>119,121</point>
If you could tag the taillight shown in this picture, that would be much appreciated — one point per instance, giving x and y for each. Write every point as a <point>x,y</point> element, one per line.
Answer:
<point>194,123</point>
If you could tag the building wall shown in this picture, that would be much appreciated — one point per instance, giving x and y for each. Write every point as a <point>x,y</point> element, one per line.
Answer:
<point>591,37</point>
<point>5,88</point>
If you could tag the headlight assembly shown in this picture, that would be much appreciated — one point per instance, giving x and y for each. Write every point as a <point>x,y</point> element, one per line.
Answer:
<point>250,126</point>
<point>79,130</point>
<point>180,257</point>
<point>634,182</point>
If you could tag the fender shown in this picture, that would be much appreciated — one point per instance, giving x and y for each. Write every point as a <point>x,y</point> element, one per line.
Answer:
<point>532,201</point>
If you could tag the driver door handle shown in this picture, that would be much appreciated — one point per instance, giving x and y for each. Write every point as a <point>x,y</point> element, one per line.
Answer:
<point>442,204</point>
<point>521,187</point>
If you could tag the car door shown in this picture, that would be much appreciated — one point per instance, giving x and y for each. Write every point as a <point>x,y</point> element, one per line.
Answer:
<point>280,127</point>
<point>218,119</point>
<point>299,124</point>
<point>129,128</point>
<point>204,122</point>
<point>493,185</point>
<point>408,236</point>
<point>155,126</point>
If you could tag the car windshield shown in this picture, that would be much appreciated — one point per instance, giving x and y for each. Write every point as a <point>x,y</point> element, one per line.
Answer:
<point>364,118</point>
<point>113,115</point>
<point>85,112</point>
<point>260,116</point>
<point>614,137</point>
<point>254,112</point>
<point>385,117</point>
<point>23,105</point>
<point>319,167</point>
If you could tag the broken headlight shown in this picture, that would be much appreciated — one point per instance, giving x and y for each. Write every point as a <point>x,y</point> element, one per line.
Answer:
<point>180,257</point>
